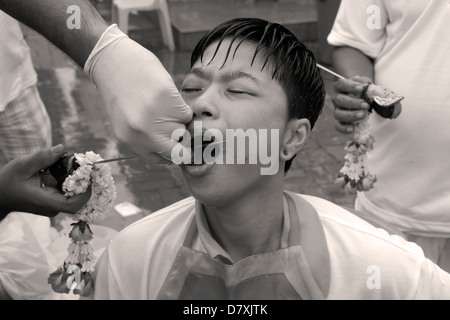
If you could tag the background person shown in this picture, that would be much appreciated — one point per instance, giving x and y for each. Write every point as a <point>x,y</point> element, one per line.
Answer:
<point>27,245</point>
<point>24,122</point>
<point>25,129</point>
<point>22,189</point>
<point>407,53</point>
<point>132,90</point>
<point>131,80</point>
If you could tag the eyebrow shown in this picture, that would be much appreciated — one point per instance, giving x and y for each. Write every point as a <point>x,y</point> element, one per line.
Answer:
<point>226,77</point>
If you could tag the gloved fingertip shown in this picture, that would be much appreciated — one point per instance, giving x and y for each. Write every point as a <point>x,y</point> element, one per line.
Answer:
<point>57,150</point>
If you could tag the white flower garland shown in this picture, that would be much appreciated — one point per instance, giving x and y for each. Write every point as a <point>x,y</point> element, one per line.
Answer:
<point>81,257</point>
<point>354,175</point>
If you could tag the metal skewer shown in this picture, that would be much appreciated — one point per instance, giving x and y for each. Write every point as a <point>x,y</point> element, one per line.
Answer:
<point>330,72</point>
<point>115,159</point>
<point>135,157</point>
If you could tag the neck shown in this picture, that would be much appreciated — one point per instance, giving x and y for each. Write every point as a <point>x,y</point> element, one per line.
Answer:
<point>250,224</point>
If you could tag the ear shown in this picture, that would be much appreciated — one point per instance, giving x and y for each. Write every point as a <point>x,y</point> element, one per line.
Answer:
<point>294,138</point>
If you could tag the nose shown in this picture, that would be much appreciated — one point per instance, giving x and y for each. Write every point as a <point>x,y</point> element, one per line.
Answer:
<point>205,105</point>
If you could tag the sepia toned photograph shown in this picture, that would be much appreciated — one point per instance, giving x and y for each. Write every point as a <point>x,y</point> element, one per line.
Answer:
<point>224,154</point>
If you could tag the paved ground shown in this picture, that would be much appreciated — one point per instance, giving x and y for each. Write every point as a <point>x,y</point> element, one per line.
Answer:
<point>80,123</point>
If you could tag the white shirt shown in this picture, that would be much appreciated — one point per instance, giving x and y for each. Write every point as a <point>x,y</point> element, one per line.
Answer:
<point>366,263</point>
<point>31,249</point>
<point>411,153</point>
<point>16,67</point>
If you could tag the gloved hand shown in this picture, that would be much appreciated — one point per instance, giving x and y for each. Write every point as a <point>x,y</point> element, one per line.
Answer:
<point>21,187</point>
<point>141,99</point>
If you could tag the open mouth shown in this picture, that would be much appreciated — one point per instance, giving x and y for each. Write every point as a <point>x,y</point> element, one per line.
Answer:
<point>202,158</point>
<point>197,145</point>
<point>198,154</point>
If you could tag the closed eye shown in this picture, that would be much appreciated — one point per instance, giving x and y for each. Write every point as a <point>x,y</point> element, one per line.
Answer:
<point>238,92</point>
<point>188,90</point>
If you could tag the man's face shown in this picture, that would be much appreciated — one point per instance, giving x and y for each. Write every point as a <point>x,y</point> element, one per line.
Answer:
<point>237,95</point>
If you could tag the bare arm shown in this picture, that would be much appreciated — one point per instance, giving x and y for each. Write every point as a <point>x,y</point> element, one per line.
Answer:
<point>141,99</point>
<point>49,18</point>
<point>351,62</point>
<point>357,68</point>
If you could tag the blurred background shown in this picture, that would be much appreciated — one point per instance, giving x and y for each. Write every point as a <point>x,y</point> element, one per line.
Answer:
<point>78,122</point>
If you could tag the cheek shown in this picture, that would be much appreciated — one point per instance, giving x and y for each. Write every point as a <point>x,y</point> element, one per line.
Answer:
<point>257,117</point>
<point>187,98</point>
<point>238,178</point>
<point>268,124</point>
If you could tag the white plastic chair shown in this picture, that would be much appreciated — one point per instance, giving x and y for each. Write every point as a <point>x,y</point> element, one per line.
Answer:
<point>122,8</point>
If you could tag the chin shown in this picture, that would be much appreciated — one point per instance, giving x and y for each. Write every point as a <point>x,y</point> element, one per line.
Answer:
<point>223,185</point>
<point>211,196</point>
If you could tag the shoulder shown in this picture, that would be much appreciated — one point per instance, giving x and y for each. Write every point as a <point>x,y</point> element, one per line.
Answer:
<point>359,250</point>
<point>137,259</point>
<point>343,223</point>
<point>163,216</point>
<point>166,223</point>
<point>156,237</point>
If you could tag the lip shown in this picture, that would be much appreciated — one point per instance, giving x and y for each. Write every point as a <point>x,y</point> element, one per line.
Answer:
<point>195,136</point>
<point>197,170</point>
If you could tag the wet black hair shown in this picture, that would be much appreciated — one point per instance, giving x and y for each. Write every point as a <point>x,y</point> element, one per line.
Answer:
<point>291,63</point>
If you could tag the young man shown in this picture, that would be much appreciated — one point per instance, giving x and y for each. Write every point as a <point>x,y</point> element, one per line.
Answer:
<point>241,236</point>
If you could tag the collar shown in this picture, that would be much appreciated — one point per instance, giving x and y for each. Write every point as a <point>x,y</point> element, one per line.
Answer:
<point>211,246</point>
<point>307,231</point>
<point>310,235</point>
<point>213,249</point>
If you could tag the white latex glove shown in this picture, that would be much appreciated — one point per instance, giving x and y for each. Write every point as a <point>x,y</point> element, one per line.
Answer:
<point>141,99</point>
